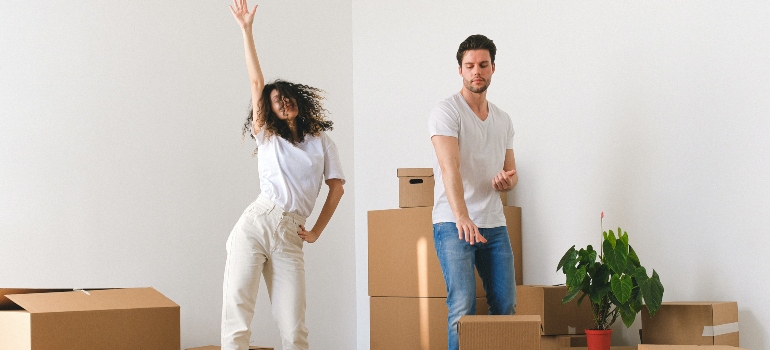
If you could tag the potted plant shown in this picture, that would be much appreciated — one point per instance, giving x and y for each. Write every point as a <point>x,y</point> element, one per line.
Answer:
<point>614,281</point>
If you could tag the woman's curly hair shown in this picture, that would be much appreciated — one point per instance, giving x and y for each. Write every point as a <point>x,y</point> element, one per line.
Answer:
<point>311,116</point>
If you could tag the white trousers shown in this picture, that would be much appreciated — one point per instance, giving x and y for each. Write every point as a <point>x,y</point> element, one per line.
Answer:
<point>264,242</point>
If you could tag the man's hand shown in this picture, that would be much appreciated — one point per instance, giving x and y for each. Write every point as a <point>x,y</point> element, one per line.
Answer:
<point>307,236</point>
<point>503,181</point>
<point>468,231</point>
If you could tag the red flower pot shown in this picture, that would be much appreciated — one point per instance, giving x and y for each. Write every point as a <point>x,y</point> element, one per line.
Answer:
<point>598,339</point>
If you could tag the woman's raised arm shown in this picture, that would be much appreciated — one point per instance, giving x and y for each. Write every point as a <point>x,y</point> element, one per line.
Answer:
<point>245,19</point>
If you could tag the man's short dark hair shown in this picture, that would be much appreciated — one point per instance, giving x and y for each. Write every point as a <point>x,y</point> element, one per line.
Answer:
<point>476,42</point>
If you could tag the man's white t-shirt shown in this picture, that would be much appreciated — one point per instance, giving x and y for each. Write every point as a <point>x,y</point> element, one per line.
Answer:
<point>483,145</point>
<point>291,176</point>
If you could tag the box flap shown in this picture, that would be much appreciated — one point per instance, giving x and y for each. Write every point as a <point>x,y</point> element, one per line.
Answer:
<point>401,172</point>
<point>7,304</point>
<point>110,299</point>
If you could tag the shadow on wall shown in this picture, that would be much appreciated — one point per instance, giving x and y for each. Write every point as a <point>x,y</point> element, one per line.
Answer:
<point>750,328</point>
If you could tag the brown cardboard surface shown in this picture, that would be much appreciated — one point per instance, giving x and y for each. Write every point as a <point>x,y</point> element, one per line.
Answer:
<point>683,323</point>
<point>557,318</point>
<point>7,304</point>
<point>556,342</point>
<point>687,347</point>
<point>415,187</point>
<point>135,318</point>
<point>109,299</point>
<point>411,323</point>
<point>485,332</point>
<point>402,257</point>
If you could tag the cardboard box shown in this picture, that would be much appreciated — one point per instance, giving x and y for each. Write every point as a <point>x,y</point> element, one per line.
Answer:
<point>557,318</point>
<point>411,323</point>
<point>521,332</point>
<point>116,319</point>
<point>402,256</point>
<point>557,342</point>
<point>415,187</point>
<point>692,323</point>
<point>217,347</point>
<point>687,347</point>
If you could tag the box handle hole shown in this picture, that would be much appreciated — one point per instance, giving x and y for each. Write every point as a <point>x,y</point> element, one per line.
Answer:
<point>415,181</point>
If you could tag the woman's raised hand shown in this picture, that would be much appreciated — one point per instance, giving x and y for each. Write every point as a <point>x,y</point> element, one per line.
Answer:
<point>242,14</point>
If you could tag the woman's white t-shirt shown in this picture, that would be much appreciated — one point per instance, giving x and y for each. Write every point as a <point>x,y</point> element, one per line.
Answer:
<point>291,176</point>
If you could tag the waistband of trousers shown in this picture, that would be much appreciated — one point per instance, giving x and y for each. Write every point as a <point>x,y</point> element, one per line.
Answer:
<point>275,209</point>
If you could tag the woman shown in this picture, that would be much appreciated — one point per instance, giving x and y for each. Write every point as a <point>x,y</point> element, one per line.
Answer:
<point>288,122</point>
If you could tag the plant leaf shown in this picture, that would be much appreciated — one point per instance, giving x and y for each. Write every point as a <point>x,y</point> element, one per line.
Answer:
<point>628,315</point>
<point>571,294</point>
<point>652,290</point>
<point>621,287</point>
<point>570,255</point>
<point>632,257</point>
<point>575,279</point>
<point>611,238</point>
<point>623,237</point>
<point>619,258</point>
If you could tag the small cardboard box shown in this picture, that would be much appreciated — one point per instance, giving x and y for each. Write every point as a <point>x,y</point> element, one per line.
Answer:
<point>402,256</point>
<point>692,323</point>
<point>411,323</point>
<point>557,318</point>
<point>415,187</point>
<point>116,319</point>
<point>486,332</point>
<point>687,347</point>
<point>557,342</point>
<point>217,347</point>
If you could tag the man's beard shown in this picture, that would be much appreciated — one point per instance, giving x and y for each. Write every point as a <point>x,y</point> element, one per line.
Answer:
<point>478,90</point>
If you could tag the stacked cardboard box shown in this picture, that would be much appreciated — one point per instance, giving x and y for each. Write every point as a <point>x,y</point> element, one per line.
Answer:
<point>692,323</point>
<point>406,285</point>
<point>131,318</point>
<point>521,332</point>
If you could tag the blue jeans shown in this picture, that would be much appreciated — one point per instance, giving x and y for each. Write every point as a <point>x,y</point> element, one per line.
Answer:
<point>494,261</point>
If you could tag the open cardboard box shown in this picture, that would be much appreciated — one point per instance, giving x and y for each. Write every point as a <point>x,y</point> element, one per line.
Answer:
<point>115,319</point>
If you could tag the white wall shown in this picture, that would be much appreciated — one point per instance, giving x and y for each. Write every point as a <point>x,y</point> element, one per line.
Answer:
<point>121,160</point>
<point>654,112</point>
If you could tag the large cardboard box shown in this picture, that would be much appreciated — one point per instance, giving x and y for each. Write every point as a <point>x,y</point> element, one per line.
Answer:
<point>402,257</point>
<point>687,347</point>
<point>485,332</point>
<point>415,187</point>
<point>411,323</point>
<point>557,342</point>
<point>115,319</point>
<point>557,318</point>
<point>692,323</point>
<point>216,347</point>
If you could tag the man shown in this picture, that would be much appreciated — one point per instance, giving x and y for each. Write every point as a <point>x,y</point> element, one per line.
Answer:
<point>473,141</point>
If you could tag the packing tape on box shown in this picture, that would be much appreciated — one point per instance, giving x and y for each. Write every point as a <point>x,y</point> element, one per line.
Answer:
<point>713,331</point>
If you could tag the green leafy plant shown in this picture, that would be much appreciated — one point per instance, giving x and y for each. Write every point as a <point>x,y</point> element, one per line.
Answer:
<point>614,280</point>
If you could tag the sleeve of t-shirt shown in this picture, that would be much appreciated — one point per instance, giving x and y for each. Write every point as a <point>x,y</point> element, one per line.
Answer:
<point>259,138</point>
<point>332,164</point>
<point>510,133</point>
<point>444,120</point>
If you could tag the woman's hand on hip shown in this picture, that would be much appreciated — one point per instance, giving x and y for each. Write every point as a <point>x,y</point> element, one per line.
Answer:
<point>308,236</point>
